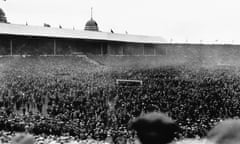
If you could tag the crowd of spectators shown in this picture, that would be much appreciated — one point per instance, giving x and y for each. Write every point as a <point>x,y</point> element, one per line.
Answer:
<point>69,95</point>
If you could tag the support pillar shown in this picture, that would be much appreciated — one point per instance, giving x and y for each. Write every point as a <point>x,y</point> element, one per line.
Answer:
<point>143,50</point>
<point>154,51</point>
<point>11,47</point>
<point>54,47</point>
<point>123,50</point>
<point>101,49</point>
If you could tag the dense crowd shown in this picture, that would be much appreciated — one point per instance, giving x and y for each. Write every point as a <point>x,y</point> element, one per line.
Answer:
<point>11,137</point>
<point>58,96</point>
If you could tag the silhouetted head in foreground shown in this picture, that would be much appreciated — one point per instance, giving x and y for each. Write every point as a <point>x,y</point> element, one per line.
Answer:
<point>226,132</point>
<point>155,128</point>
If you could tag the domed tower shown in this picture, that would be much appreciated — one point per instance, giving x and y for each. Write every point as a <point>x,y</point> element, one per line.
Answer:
<point>91,25</point>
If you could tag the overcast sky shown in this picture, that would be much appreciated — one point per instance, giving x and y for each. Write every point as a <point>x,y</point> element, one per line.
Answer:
<point>181,20</point>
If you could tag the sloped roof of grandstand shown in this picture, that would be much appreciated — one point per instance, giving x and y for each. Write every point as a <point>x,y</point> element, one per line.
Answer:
<point>38,31</point>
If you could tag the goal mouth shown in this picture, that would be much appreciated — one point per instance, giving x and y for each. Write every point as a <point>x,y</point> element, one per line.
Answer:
<point>129,83</point>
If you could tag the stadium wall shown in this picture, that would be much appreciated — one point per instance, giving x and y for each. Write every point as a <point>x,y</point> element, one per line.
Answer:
<point>175,54</point>
<point>123,53</point>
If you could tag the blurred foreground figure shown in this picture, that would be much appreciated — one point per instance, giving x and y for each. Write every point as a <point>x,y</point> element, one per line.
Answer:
<point>226,132</point>
<point>23,139</point>
<point>155,128</point>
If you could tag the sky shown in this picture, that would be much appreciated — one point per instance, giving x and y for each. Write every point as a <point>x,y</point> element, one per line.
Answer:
<point>190,21</point>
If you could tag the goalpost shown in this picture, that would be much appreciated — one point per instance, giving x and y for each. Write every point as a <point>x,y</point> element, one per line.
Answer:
<point>129,83</point>
<point>121,83</point>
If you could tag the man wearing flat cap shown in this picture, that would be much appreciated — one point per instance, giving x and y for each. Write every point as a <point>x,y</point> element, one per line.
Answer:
<point>155,128</point>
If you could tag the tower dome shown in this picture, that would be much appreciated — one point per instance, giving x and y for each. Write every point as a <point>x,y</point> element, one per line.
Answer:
<point>91,25</point>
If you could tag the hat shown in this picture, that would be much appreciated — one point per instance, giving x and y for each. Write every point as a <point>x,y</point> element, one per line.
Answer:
<point>226,132</point>
<point>155,128</point>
